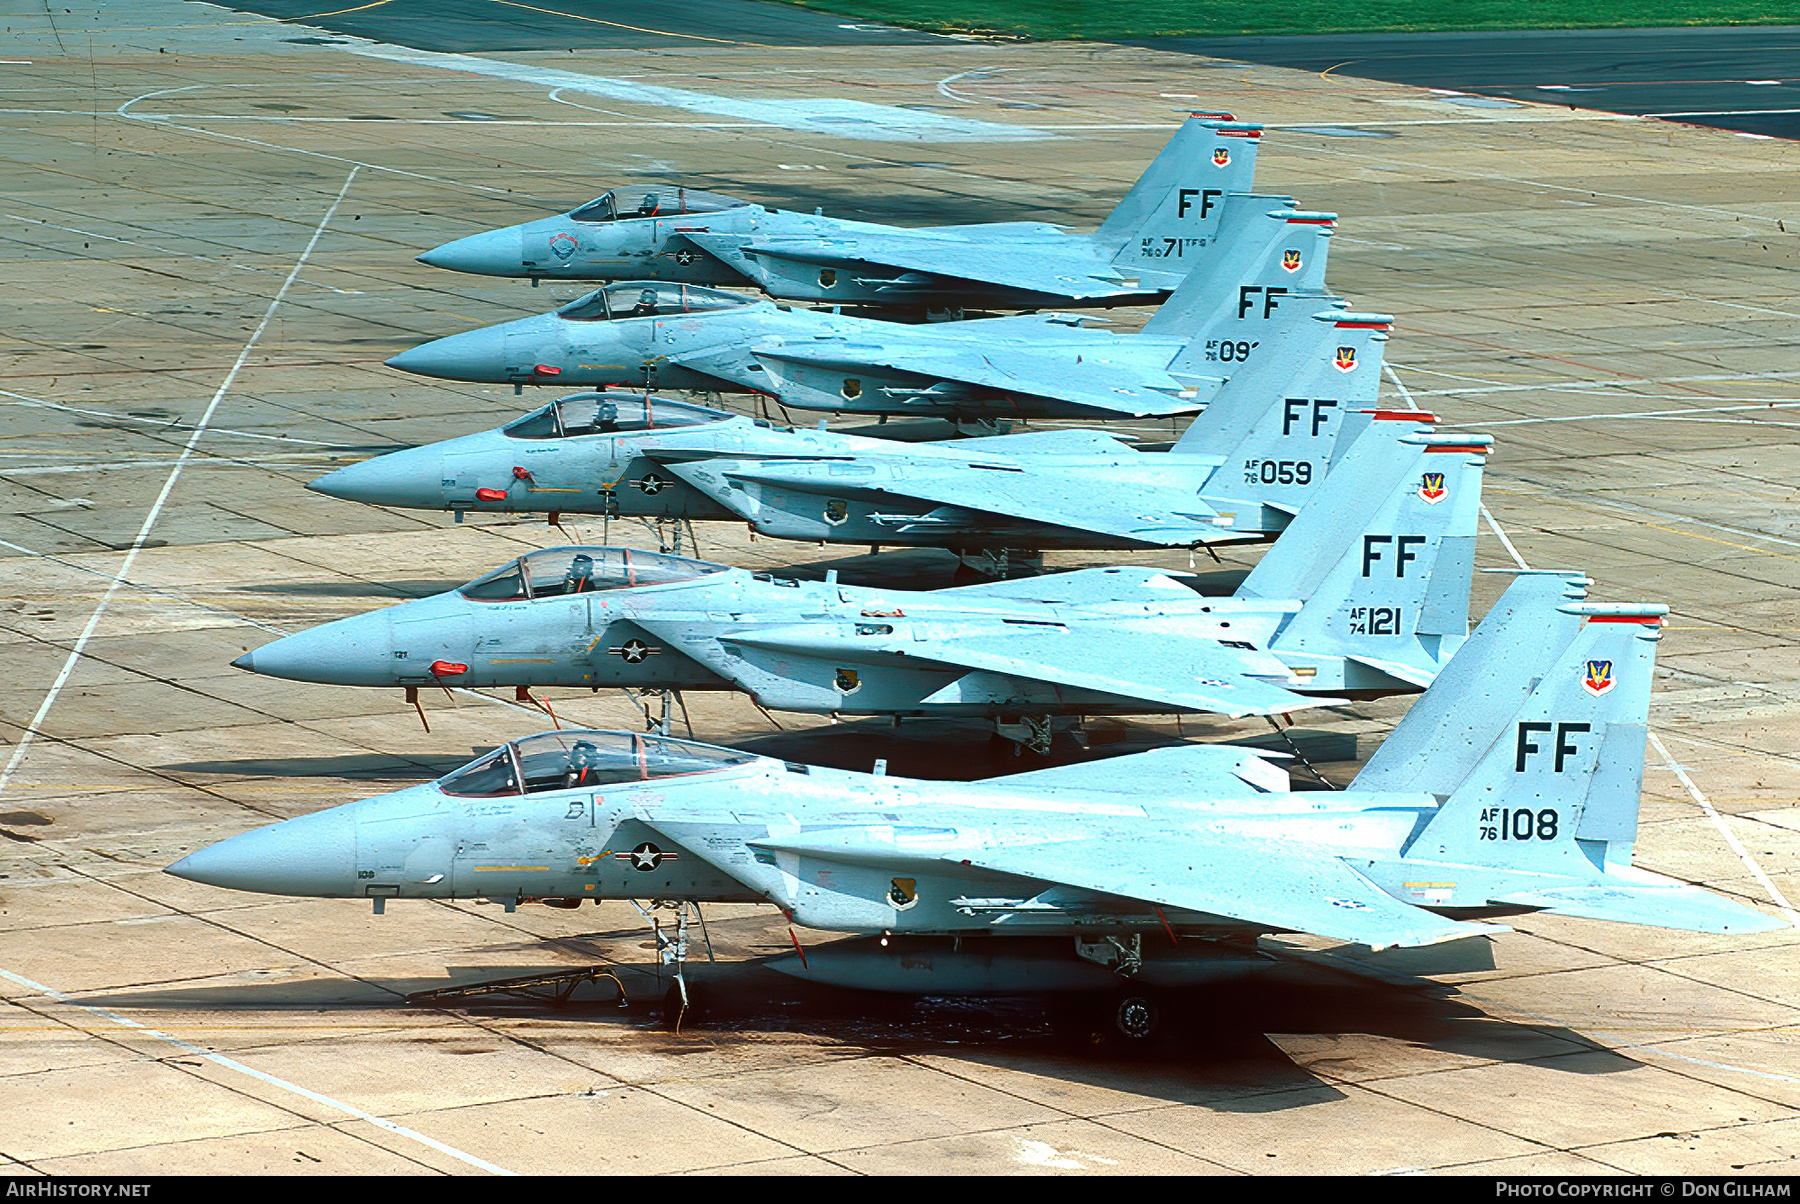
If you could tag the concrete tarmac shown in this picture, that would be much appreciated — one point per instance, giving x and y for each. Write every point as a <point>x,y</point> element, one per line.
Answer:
<point>208,237</point>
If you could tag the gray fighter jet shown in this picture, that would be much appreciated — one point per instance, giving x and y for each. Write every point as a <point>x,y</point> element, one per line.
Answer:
<point>683,236</point>
<point>1511,786</point>
<point>1365,594</point>
<point>1035,365</point>
<point>1239,472</point>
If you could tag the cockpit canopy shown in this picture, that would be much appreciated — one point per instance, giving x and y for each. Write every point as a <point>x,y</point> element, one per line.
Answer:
<point>623,204</point>
<point>648,299</point>
<point>609,414</point>
<point>577,760</point>
<point>556,572</point>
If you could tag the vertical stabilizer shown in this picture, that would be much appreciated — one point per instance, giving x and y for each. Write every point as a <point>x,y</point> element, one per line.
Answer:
<point>1264,254</point>
<point>1445,733</point>
<point>1178,195</point>
<point>1556,774</point>
<point>1382,556</point>
<point>1281,420</point>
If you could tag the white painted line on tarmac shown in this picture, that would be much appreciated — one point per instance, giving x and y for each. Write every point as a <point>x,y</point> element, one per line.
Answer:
<point>296,460</point>
<point>148,589</point>
<point>1523,181</point>
<point>843,118</point>
<point>1399,384</point>
<point>1756,871</point>
<point>1680,772</point>
<point>137,544</point>
<point>1622,382</point>
<point>132,242</point>
<point>1486,514</point>
<point>1728,112</point>
<point>1696,415</point>
<point>1504,541</point>
<point>380,1122</point>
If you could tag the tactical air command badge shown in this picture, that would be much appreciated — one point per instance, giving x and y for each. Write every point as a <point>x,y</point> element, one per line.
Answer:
<point>563,244</point>
<point>1290,261</point>
<point>1346,359</point>
<point>1431,487</point>
<point>1221,156</point>
<point>1599,678</point>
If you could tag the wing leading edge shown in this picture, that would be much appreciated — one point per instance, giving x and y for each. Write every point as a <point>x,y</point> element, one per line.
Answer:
<point>1282,885</point>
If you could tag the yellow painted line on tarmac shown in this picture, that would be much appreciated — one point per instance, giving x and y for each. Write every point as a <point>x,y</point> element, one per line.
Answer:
<point>1742,547</point>
<point>634,28</point>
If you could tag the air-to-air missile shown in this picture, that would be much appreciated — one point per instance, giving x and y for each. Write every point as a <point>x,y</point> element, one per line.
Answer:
<point>1239,472</point>
<point>1035,365</point>
<point>667,233</point>
<point>1510,787</point>
<point>1365,594</point>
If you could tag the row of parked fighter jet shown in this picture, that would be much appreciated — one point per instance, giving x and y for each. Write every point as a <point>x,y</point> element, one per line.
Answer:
<point>1512,786</point>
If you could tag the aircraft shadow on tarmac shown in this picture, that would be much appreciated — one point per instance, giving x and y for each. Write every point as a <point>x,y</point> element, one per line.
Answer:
<point>927,749</point>
<point>1220,1050</point>
<point>355,767</point>
<point>421,588</point>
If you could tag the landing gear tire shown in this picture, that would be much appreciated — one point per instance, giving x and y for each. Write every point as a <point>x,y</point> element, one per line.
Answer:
<point>1135,1021</point>
<point>674,1019</point>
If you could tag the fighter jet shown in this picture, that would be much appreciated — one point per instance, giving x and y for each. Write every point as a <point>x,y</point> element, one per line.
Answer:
<point>1265,257</point>
<point>1510,787</point>
<point>1239,472</point>
<point>1365,594</point>
<point>683,236</point>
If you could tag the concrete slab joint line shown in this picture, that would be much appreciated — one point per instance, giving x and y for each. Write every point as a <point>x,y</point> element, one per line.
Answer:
<point>137,544</point>
<point>233,1064</point>
<point>831,115</point>
<point>1756,871</point>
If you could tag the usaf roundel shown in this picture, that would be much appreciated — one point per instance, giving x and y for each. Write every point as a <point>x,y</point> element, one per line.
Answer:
<point>563,244</point>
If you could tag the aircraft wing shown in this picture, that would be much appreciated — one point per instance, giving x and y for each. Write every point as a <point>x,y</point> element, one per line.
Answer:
<point>1211,771</point>
<point>1281,884</point>
<point>1088,500</point>
<point>1060,442</point>
<point>1126,583</point>
<point>1178,672</point>
<point>1077,376</point>
<point>1057,269</point>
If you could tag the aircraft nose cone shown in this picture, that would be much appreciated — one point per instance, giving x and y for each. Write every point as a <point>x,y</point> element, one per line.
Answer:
<point>475,355</point>
<point>358,651</point>
<point>490,253</point>
<point>314,855</point>
<point>411,479</point>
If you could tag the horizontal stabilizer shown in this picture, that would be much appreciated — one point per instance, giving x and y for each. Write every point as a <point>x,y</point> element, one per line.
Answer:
<point>1658,905</point>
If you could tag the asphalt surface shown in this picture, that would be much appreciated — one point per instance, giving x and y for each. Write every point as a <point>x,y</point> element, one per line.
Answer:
<point>472,26</point>
<point>1744,78</point>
